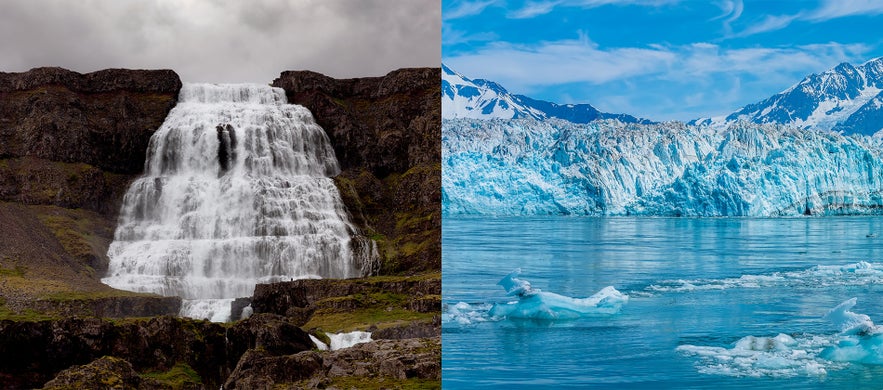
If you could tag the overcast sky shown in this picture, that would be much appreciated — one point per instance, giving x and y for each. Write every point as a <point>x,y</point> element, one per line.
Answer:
<point>222,40</point>
<point>658,59</point>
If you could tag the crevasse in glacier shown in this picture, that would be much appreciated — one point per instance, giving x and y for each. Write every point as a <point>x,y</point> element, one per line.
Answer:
<point>529,167</point>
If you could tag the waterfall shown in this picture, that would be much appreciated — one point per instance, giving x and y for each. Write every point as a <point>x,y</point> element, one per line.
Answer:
<point>237,190</point>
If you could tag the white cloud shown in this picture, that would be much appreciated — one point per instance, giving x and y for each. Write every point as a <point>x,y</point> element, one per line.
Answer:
<point>466,8</point>
<point>832,9</point>
<point>222,40</point>
<point>559,62</point>
<point>769,23</point>
<point>732,11</point>
<point>536,8</point>
<point>659,81</point>
<point>532,9</point>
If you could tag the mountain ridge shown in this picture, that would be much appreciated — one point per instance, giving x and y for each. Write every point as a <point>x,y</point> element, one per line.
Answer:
<point>845,98</point>
<point>484,99</point>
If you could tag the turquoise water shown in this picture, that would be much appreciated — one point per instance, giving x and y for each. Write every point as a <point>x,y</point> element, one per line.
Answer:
<point>696,288</point>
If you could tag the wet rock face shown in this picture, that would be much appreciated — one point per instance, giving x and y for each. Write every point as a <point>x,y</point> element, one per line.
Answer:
<point>385,124</point>
<point>104,118</point>
<point>386,133</point>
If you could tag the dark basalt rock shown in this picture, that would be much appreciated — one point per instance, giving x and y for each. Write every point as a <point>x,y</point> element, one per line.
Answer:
<point>112,307</point>
<point>107,372</point>
<point>395,359</point>
<point>74,141</point>
<point>32,353</point>
<point>104,119</point>
<point>385,124</point>
<point>410,331</point>
<point>281,298</point>
<point>386,133</point>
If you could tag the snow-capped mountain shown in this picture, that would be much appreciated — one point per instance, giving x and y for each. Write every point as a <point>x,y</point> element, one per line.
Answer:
<point>846,99</point>
<point>483,99</point>
<point>530,167</point>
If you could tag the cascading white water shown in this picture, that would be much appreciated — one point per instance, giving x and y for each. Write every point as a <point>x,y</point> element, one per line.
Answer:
<point>236,191</point>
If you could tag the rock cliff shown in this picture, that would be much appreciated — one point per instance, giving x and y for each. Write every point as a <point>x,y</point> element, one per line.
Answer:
<point>71,144</point>
<point>386,132</point>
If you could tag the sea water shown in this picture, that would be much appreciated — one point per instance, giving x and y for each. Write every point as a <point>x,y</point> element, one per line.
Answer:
<point>711,302</point>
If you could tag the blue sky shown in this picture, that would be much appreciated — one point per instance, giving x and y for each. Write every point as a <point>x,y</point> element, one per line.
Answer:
<point>658,59</point>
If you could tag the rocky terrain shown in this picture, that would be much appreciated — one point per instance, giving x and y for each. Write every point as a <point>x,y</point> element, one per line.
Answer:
<point>72,144</point>
<point>386,133</point>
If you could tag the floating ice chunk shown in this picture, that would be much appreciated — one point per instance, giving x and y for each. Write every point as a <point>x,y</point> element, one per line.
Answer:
<point>752,356</point>
<point>536,304</point>
<point>860,340</point>
<point>849,322</point>
<point>464,314</point>
<point>515,286</point>
<point>854,274</point>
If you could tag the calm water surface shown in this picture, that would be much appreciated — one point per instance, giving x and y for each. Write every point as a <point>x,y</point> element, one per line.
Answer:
<point>692,282</point>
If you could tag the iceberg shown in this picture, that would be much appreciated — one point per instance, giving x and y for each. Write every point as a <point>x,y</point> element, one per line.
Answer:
<point>859,341</point>
<point>607,167</point>
<point>539,305</point>
<point>780,356</point>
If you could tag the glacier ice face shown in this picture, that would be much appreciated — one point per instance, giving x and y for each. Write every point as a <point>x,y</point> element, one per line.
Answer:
<point>529,167</point>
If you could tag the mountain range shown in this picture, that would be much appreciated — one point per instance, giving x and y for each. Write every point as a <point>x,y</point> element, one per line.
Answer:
<point>847,99</point>
<point>483,99</point>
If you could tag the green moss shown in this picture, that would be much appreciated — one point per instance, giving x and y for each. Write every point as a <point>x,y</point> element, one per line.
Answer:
<point>178,377</point>
<point>26,315</point>
<point>18,271</point>
<point>330,320</point>
<point>91,295</point>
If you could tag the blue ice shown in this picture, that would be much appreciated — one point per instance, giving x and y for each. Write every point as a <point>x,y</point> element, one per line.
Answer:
<point>535,304</point>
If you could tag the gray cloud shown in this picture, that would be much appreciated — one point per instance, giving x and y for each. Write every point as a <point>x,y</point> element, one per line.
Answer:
<point>222,40</point>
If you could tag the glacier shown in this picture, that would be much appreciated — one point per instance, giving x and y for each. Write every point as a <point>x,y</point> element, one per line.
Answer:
<point>607,167</point>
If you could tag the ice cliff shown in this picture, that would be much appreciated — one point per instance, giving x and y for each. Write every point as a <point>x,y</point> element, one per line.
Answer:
<point>529,167</point>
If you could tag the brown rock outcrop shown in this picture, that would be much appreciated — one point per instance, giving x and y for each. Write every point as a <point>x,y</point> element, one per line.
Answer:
<point>33,352</point>
<point>104,119</point>
<point>292,298</point>
<point>71,143</point>
<point>393,359</point>
<point>386,132</point>
<point>106,372</point>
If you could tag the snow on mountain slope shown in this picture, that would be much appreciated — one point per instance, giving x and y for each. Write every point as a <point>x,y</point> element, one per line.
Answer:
<point>845,99</point>
<point>482,99</point>
<point>529,167</point>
